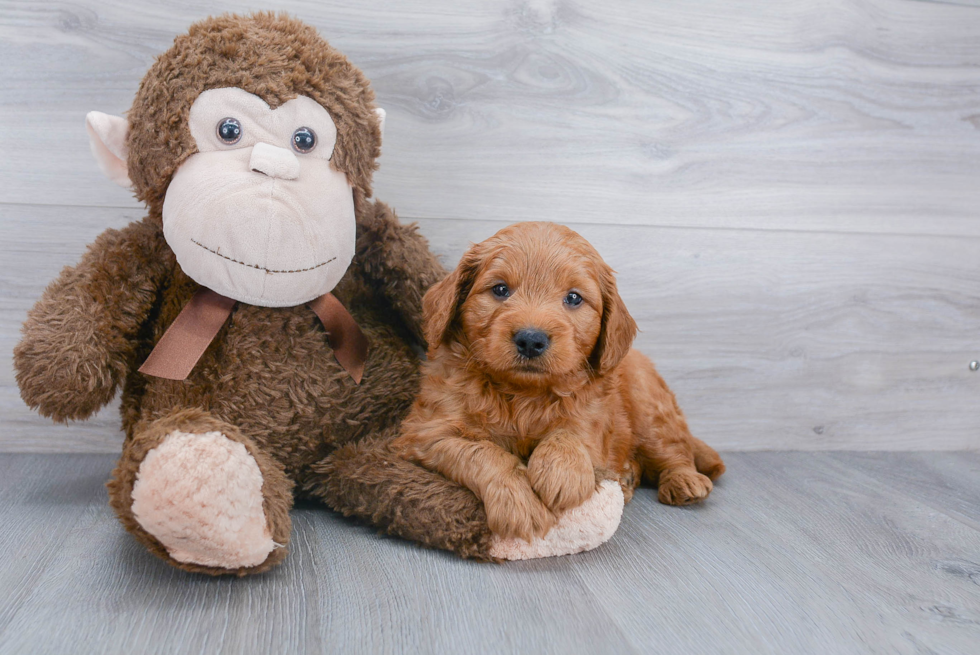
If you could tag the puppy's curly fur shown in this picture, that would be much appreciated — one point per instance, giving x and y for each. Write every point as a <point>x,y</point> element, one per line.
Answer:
<point>530,428</point>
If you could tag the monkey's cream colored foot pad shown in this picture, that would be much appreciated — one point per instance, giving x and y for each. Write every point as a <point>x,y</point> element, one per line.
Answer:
<point>200,495</point>
<point>585,527</point>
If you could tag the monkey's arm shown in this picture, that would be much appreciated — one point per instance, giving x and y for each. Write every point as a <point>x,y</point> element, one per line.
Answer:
<point>80,336</point>
<point>369,481</point>
<point>398,260</point>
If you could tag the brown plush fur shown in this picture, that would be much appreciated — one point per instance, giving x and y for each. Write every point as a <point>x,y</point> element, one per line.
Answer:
<point>527,434</point>
<point>274,57</point>
<point>366,479</point>
<point>269,380</point>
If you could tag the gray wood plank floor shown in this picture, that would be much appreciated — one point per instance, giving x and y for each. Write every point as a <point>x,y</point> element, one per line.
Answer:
<point>794,553</point>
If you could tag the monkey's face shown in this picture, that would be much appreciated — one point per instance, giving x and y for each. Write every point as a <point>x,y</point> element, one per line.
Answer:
<point>259,214</point>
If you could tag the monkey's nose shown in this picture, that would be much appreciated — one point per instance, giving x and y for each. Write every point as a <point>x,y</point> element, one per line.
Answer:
<point>274,162</point>
<point>531,343</point>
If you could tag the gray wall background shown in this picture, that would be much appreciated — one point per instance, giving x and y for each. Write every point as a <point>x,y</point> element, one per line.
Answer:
<point>790,191</point>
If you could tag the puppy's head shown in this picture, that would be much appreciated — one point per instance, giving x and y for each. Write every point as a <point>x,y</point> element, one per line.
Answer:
<point>533,304</point>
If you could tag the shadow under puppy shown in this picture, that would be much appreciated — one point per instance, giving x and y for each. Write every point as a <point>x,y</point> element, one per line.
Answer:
<point>532,392</point>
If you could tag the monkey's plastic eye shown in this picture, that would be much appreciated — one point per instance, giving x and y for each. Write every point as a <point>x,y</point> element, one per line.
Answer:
<point>229,130</point>
<point>573,299</point>
<point>304,140</point>
<point>500,290</point>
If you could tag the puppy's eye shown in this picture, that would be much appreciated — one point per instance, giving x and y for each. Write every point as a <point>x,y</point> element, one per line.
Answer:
<point>500,290</point>
<point>573,299</point>
<point>229,130</point>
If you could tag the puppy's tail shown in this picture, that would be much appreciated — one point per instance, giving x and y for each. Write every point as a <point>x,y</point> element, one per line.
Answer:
<point>706,459</point>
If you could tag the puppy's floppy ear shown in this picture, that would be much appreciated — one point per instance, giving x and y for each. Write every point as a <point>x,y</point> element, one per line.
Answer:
<point>618,329</point>
<point>441,304</point>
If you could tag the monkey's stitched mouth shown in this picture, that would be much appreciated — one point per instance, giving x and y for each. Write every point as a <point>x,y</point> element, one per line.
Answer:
<point>261,268</point>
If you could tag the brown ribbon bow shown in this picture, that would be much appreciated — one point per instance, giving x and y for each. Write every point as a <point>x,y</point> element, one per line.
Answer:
<point>182,345</point>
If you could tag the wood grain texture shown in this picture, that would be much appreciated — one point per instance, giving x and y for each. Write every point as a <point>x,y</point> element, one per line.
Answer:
<point>847,116</point>
<point>771,339</point>
<point>792,553</point>
<point>790,194</point>
<point>948,484</point>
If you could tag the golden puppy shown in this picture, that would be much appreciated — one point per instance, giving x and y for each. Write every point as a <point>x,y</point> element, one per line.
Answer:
<point>531,389</point>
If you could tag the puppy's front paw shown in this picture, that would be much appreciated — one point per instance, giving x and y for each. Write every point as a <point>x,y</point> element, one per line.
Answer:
<point>513,510</point>
<point>683,487</point>
<point>561,474</point>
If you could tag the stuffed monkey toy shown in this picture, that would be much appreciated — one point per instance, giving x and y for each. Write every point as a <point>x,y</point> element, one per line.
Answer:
<point>263,320</point>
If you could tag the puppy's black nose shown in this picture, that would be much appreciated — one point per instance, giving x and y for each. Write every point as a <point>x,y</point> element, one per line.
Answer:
<point>531,343</point>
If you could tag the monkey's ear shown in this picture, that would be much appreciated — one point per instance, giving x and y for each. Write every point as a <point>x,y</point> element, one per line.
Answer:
<point>107,138</point>
<point>381,120</point>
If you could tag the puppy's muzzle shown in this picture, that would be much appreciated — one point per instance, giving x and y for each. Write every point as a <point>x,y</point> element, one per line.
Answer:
<point>531,343</point>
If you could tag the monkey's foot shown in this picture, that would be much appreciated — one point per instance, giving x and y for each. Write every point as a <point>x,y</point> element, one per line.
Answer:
<point>200,495</point>
<point>582,528</point>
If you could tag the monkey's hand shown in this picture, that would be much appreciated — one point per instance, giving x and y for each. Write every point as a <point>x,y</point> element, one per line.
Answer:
<point>398,260</point>
<point>79,338</point>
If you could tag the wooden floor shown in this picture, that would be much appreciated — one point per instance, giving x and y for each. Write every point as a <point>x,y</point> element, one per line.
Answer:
<point>794,553</point>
